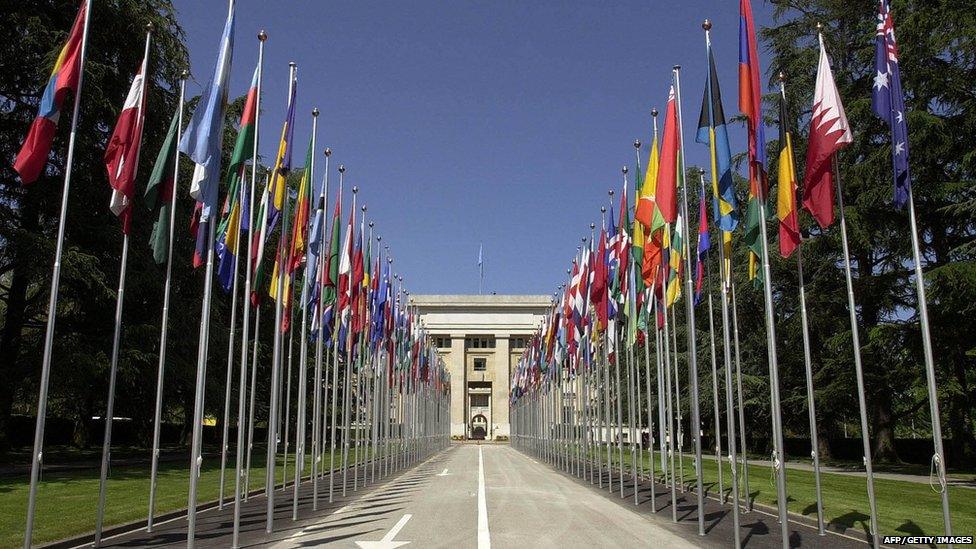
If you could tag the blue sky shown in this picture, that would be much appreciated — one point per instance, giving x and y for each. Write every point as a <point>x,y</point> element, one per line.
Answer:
<point>503,123</point>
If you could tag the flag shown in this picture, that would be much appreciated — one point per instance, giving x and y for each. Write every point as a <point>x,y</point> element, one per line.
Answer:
<point>273,200</point>
<point>750,104</point>
<point>65,76</point>
<point>159,190</point>
<point>652,238</point>
<point>789,225</point>
<point>299,239</point>
<point>750,95</point>
<point>122,153</point>
<point>829,132</point>
<point>598,282</point>
<point>331,272</point>
<point>888,101</point>
<point>204,135</point>
<point>704,243</point>
<point>666,195</point>
<point>229,230</point>
<point>675,264</point>
<point>712,132</point>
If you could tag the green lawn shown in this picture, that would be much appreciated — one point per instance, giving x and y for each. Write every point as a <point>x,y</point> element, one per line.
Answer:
<point>904,508</point>
<point>67,502</point>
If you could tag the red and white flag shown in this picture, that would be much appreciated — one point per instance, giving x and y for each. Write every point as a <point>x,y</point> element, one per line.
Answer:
<point>829,132</point>
<point>122,154</point>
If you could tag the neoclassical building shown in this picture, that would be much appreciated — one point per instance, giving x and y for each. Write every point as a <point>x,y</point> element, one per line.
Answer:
<point>480,338</point>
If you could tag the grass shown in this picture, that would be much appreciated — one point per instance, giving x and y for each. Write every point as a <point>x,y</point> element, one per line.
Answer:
<point>904,508</point>
<point>67,501</point>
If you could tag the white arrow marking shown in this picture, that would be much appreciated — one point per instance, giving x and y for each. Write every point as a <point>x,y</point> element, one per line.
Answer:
<point>443,473</point>
<point>387,541</point>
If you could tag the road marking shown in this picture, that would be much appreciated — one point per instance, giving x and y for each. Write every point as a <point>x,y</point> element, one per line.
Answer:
<point>387,541</point>
<point>443,473</point>
<point>484,538</point>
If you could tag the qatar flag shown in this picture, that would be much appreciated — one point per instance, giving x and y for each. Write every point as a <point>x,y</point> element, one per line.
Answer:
<point>122,154</point>
<point>829,132</point>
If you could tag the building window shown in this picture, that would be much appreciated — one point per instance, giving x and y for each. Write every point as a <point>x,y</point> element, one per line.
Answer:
<point>442,342</point>
<point>479,342</point>
<point>479,401</point>
<point>519,342</point>
<point>480,364</point>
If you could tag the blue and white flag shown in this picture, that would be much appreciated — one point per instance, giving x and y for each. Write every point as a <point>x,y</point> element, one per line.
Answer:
<point>203,138</point>
<point>888,101</point>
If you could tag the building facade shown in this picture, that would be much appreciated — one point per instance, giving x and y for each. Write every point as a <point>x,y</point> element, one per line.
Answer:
<point>480,338</point>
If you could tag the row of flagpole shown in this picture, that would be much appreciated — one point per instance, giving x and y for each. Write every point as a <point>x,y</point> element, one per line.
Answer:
<point>395,394</point>
<point>568,393</point>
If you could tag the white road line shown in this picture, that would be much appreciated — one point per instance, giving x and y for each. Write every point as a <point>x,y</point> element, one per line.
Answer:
<point>396,529</point>
<point>443,473</point>
<point>484,538</point>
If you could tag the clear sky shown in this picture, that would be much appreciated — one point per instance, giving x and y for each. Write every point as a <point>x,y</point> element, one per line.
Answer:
<point>502,123</point>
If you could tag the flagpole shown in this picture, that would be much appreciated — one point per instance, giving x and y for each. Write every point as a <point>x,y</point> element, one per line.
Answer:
<point>346,390</point>
<point>690,320</point>
<point>335,360</point>
<point>711,346</point>
<point>230,364</point>
<point>856,342</point>
<point>669,405</point>
<point>239,477</point>
<point>116,338</point>
<point>724,287</point>
<point>317,419</point>
<point>37,454</point>
<point>677,400</point>
<point>741,402</point>
<point>272,449</point>
<point>291,340</point>
<point>303,352</point>
<point>110,408</point>
<point>807,362</point>
<point>252,403</point>
<point>157,416</point>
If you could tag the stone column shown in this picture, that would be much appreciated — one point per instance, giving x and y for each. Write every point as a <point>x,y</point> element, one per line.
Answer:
<point>500,386</point>
<point>459,385</point>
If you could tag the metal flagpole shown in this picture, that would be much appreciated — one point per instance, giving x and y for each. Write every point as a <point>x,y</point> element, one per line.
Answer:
<point>317,404</point>
<point>52,306</point>
<point>239,477</point>
<point>303,351</point>
<point>346,390</point>
<point>619,391</point>
<point>335,356</point>
<point>196,456</point>
<point>738,388</point>
<point>288,376</point>
<point>110,409</point>
<point>856,342</point>
<point>230,368</point>
<point>711,347</point>
<point>157,416</point>
<point>807,362</point>
<point>724,283</point>
<point>276,354</point>
<point>690,320</point>
<point>669,407</point>
<point>779,457</point>
<point>116,338</point>
<point>679,418</point>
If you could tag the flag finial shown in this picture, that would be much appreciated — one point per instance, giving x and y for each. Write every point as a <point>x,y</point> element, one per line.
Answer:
<point>624,170</point>
<point>654,112</point>
<point>637,143</point>
<point>707,25</point>
<point>781,77</point>
<point>315,112</point>
<point>328,152</point>
<point>342,169</point>
<point>262,36</point>
<point>593,225</point>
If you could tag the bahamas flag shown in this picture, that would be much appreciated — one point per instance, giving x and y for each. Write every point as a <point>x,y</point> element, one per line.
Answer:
<point>712,132</point>
<point>789,224</point>
<point>65,76</point>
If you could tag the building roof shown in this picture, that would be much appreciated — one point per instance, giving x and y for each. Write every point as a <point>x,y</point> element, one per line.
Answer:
<point>462,300</point>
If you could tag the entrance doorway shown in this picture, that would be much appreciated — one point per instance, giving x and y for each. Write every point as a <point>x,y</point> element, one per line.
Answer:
<point>479,427</point>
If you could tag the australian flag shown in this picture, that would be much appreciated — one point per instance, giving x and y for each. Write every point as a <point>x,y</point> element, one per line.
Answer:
<point>887,99</point>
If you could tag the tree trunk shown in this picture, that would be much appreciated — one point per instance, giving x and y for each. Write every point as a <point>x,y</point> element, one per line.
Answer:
<point>884,428</point>
<point>15,317</point>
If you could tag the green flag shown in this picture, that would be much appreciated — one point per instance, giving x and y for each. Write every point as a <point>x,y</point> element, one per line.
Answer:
<point>159,191</point>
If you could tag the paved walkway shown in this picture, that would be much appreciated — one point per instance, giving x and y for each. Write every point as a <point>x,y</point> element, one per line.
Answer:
<point>476,496</point>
